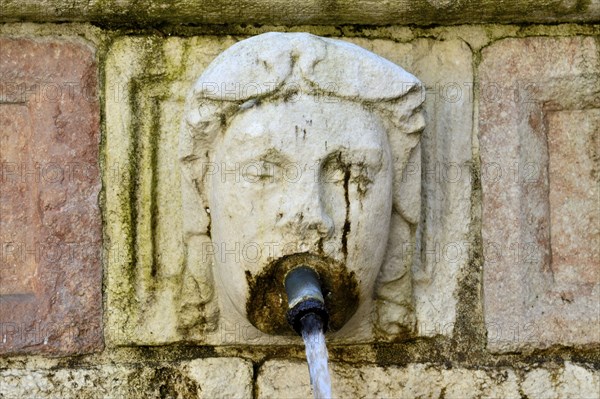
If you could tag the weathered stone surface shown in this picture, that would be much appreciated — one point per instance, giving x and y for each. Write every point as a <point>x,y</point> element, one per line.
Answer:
<point>50,225</point>
<point>202,378</point>
<point>147,80</point>
<point>539,121</point>
<point>289,379</point>
<point>573,170</point>
<point>223,378</point>
<point>148,12</point>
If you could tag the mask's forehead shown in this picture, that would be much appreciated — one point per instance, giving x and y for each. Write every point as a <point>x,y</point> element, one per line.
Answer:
<point>307,123</point>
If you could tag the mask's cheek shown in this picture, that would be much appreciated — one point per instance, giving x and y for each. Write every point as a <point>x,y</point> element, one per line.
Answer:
<point>370,215</point>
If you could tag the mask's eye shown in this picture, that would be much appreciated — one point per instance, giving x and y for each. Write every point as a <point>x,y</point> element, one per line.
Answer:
<point>259,171</point>
<point>333,170</point>
<point>362,176</point>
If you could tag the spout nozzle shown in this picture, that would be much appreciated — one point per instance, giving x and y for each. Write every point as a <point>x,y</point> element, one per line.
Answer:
<point>304,294</point>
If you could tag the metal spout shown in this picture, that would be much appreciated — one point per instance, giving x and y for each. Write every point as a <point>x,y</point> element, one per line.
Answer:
<point>304,294</point>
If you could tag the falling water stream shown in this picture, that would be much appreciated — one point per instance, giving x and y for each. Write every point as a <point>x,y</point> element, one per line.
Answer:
<point>316,355</point>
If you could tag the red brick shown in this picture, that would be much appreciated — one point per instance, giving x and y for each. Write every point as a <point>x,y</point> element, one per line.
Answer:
<point>50,224</point>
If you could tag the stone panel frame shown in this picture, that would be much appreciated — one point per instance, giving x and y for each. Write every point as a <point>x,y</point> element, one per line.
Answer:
<point>539,121</point>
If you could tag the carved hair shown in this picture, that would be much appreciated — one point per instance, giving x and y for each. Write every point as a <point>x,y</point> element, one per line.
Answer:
<point>276,67</point>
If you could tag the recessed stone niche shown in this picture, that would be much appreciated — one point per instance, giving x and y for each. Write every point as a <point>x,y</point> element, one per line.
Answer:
<point>161,283</point>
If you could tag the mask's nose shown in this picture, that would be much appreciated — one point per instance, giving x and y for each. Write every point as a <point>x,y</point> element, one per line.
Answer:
<point>319,220</point>
<point>310,215</point>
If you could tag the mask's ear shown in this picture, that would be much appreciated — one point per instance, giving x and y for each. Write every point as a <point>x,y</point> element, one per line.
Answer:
<point>200,125</point>
<point>196,218</point>
<point>407,188</point>
<point>405,122</point>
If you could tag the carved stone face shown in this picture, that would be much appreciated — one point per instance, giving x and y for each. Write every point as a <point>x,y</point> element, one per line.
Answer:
<point>303,176</point>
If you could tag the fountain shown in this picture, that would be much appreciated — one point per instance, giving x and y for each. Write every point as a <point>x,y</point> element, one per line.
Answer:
<point>294,145</point>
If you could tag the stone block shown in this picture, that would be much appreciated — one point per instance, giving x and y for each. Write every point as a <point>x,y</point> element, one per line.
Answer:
<point>429,381</point>
<point>50,224</point>
<point>539,119</point>
<point>277,12</point>
<point>210,378</point>
<point>153,297</point>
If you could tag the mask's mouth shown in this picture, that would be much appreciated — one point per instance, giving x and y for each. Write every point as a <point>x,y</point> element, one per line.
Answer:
<point>294,285</point>
<point>304,296</point>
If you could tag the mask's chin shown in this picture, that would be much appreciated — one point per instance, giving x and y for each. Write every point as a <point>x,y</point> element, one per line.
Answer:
<point>268,303</point>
